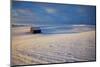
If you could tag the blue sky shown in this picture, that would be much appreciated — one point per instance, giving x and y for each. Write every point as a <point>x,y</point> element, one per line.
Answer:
<point>49,14</point>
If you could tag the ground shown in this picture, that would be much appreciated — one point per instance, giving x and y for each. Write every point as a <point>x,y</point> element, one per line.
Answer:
<point>30,48</point>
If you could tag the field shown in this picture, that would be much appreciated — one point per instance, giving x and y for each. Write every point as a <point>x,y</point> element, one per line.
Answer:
<point>30,48</point>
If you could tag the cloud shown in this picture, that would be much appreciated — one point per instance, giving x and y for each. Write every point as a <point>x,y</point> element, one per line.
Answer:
<point>24,12</point>
<point>50,10</point>
<point>23,15</point>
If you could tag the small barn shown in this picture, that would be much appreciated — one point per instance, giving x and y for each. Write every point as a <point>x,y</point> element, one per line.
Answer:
<point>35,30</point>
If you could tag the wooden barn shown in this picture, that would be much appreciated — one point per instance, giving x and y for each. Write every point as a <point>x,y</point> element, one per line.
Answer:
<point>35,30</point>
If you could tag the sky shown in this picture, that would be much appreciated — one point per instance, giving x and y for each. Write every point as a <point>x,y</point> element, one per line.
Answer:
<point>52,14</point>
